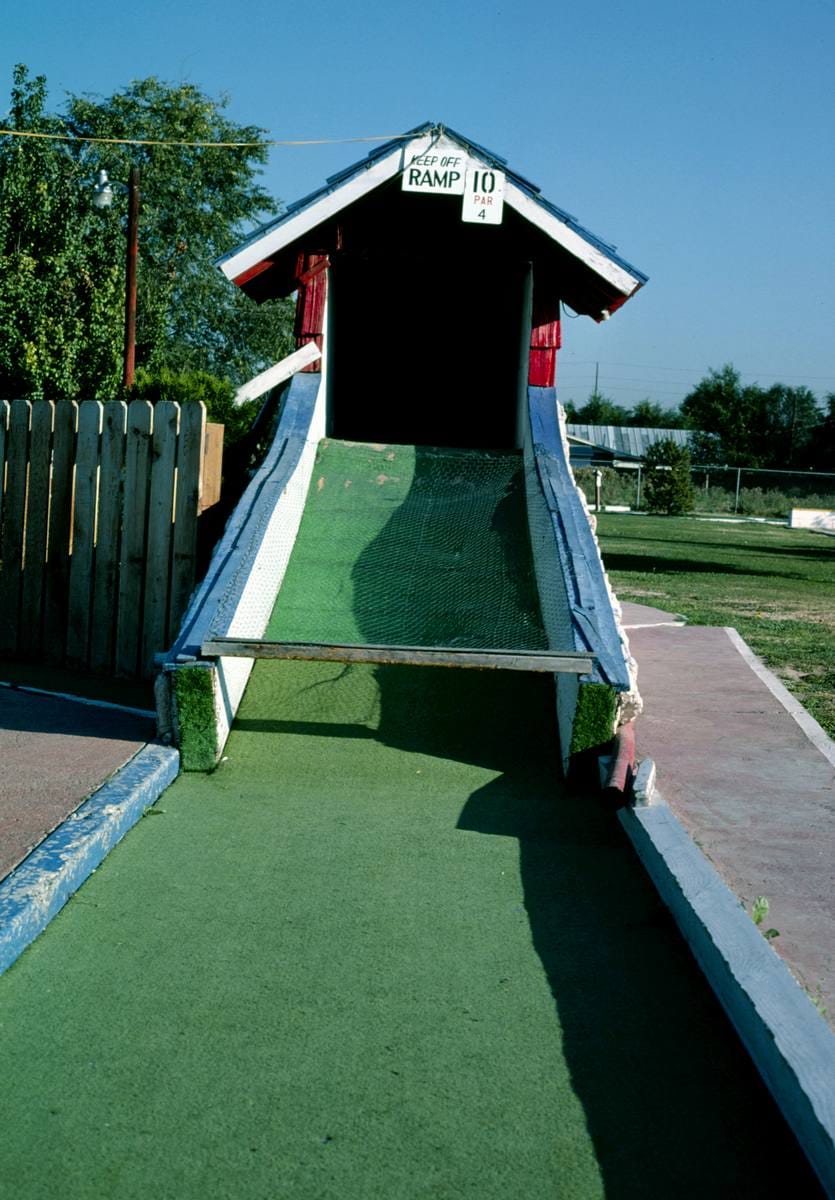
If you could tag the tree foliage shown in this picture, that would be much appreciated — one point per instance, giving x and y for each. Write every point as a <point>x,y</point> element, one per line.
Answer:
<point>668,488</point>
<point>60,270</point>
<point>62,261</point>
<point>748,425</point>
<point>197,202</point>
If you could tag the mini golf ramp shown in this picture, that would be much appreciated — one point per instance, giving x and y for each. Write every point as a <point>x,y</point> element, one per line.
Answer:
<point>421,555</point>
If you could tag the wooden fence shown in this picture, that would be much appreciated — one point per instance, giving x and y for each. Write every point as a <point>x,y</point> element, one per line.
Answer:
<point>98,512</point>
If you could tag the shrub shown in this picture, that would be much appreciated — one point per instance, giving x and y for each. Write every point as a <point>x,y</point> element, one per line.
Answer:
<point>668,488</point>
<point>184,386</point>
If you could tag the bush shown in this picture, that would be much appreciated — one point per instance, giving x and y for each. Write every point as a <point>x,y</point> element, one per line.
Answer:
<point>668,488</point>
<point>185,386</point>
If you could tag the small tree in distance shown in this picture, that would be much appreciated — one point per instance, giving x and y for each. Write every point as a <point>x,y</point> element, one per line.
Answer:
<point>668,488</point>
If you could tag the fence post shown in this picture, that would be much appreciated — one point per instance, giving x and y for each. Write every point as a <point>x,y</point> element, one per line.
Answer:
<point>736,498</point>
<point>638,500</point>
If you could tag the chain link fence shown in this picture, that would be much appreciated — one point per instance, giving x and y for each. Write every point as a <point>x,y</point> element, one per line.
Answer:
<point>746,491</point>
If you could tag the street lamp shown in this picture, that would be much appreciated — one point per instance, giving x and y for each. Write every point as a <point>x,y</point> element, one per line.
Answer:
<point>103,198</point>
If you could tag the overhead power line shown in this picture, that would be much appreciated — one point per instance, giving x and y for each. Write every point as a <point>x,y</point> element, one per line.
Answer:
<point>115,141</point>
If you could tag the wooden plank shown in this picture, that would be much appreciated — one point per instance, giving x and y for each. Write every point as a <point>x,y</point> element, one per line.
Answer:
<point>134,524</point>
<point>14,524</point>
<point>280,371</point>
<point>211,476</point>
<point>190,489</point>
<point>79,612</point>
<point>60,531</point>
<point>106,575</point>
<point>160,519</point>
<point>37,519</point>
<point>417,656</point>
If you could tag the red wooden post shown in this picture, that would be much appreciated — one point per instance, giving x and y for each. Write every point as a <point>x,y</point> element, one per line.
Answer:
<point>545,339</point>
<point>312,278</point>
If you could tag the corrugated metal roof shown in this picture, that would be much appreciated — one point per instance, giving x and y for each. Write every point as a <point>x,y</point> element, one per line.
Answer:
<point>530,189</point>
<point>625,439</point>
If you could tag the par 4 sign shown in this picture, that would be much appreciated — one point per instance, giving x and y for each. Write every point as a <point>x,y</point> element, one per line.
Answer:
<point>483,196</point>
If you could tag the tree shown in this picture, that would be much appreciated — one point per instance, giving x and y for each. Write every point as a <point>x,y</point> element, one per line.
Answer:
<point>720,404</point>
<point>197,202</point>
<point>599,410</point>
<point>649,415</point>
<point>668,488</point>
<point>60,268</point>
<point>755,426</point>
<point>62,261</point>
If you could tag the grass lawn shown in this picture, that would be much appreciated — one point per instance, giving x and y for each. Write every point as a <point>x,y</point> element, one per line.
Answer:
<point>775,585</point>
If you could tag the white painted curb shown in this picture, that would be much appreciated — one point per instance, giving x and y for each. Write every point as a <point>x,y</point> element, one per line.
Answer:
<point>40,887</point>
<point>791,1045</point>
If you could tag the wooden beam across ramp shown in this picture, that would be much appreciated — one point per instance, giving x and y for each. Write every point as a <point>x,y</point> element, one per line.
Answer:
<point>568,661</point>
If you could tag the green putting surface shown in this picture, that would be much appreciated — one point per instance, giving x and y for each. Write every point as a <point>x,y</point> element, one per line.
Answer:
<point>381,952</point>
<point>412,545</point>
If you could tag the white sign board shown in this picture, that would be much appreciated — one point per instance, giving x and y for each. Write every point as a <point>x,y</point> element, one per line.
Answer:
<point>436,167</point>
<point>483,196</point>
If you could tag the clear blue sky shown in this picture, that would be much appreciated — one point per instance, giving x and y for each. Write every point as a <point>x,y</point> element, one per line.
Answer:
<point>699,139</point>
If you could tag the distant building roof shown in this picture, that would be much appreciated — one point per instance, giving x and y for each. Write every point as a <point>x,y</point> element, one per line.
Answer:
<point>629,441</point>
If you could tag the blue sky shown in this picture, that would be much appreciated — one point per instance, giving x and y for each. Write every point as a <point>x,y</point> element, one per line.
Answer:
<point>699,139</point>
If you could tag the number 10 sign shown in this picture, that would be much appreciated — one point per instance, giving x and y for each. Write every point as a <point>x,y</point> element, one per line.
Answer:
<point>483,196</point>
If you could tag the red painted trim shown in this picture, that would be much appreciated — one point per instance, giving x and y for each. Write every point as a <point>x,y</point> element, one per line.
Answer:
<point>251,273</point>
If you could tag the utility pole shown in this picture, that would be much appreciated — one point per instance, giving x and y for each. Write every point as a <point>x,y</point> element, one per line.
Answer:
<point>130,277</point>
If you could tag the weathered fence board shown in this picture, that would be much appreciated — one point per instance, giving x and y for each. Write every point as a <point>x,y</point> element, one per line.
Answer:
<point>14,521</point>
<point>60,530</point>
<point>83,531</point>
<point>37,520</point>
<point>160,517</point>
<point>98,520</point>
<point>190,460</point>
<point>108,528</point>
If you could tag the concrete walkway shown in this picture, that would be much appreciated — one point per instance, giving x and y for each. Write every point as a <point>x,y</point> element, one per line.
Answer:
<point>55,752</point>
<point>751,777</point>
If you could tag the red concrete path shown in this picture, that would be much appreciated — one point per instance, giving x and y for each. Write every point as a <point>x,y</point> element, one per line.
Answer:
<point>54,753</point>
<point>755,793</point>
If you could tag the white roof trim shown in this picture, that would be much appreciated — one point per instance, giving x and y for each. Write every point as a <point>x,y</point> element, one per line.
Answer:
<point>572,241</point>
<point>254,253</point>
<point>386,168</point>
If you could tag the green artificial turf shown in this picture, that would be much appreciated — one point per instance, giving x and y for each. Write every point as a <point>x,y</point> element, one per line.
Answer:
<point>378,953</point>
<point>413,546</point>
<point>775,585</point>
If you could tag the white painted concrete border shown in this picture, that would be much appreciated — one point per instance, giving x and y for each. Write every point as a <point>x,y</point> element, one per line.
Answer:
<point>42,884</point>
<point>818,736</point>
<point>790,1043</point>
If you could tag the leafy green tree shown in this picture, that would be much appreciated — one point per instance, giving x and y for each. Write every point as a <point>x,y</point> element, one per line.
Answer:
<point>755,426</point>
<point>197,203</point>
<point>599,410</point>
<point>649,415</point>
<point>60,269</point>
<point>720,404</point>
<point>668,488</point>
<point>62,261</point>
